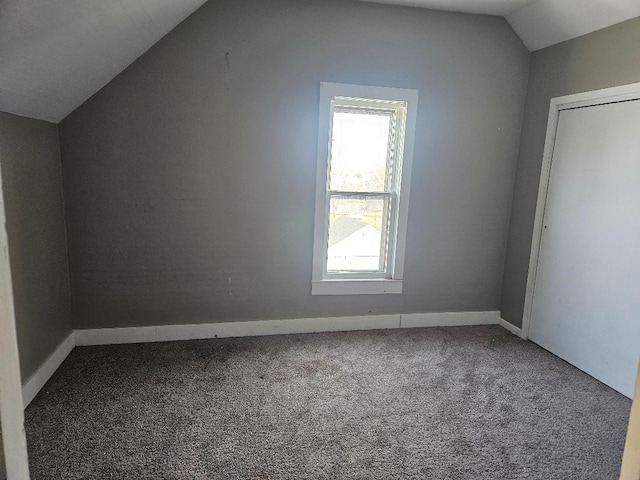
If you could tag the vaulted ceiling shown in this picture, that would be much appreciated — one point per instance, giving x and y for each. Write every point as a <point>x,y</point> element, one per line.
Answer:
<point>55,54</point>
<point>541,23</point>
<point>486,7</point>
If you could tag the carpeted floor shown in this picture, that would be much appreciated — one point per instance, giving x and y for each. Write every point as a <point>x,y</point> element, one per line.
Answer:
<point>435,403</point>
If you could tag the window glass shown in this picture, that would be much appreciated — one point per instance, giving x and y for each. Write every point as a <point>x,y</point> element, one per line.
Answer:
<point>357,234</point>
<point>360,142</point>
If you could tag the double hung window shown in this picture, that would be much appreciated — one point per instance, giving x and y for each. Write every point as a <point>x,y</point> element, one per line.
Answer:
<point>363,177</point>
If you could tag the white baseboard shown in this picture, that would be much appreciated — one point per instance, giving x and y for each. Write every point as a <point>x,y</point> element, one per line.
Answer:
<point>169,333</point>
<point>449,319</point>
<point>511,327</point>
<point>36,381</point>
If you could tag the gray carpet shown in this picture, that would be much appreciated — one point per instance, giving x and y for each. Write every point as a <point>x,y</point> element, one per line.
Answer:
<point>438,403</point>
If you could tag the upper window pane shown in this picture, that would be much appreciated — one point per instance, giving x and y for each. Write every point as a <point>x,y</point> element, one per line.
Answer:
<point>360,149</point>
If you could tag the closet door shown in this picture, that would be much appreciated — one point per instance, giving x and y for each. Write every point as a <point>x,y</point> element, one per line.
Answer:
<point>586,302</point>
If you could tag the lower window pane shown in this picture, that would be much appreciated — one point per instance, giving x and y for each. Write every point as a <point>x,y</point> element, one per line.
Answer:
<point>357,234</point>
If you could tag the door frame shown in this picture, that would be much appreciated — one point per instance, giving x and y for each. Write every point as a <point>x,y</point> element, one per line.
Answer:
<point>11,403</point>
<point>584,99</point>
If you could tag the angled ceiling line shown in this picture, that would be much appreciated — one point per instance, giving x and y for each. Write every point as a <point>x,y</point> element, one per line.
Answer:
<point>56,54</point>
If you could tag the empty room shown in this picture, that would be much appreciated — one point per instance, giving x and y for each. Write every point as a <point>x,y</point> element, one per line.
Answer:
<point>320,239</point>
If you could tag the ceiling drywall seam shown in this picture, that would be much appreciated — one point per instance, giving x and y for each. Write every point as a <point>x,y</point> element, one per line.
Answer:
<point>483,7</point>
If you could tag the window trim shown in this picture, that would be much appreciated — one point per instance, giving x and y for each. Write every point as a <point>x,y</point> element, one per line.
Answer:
<point>323,284</point>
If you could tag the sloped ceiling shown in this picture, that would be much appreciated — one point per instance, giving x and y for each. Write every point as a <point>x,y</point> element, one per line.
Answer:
<point>547,22</point>
<point>55,54</point>
<point>541,23</point>
<point>487,7</point>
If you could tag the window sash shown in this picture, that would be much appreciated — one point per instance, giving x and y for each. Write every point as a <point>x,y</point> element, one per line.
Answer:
<point>387,239</point>
<point>397,111</point>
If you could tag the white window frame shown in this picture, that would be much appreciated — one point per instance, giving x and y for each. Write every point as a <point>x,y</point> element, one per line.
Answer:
<point>354,283</point>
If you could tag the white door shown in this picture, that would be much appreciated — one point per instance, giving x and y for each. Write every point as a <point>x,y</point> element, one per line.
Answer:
<point>586,301</point>
<point>11,406</point>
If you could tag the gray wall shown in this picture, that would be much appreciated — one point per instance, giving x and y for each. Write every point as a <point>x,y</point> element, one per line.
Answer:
<point>602,59</point>
<point>30,156</point>
<point>3,470</point>
<point>189,179</point>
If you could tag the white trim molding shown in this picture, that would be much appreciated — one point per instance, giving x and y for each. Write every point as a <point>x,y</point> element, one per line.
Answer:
<point>168,333</point>
<point>14,441</point>
<point>511,327</point>
<point>586,99</point>
<point>448,319</point>
<point>41,376</point>
<point>404,104</point>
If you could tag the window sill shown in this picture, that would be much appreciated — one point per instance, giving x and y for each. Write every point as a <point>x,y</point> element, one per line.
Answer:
<point>356,287</point>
